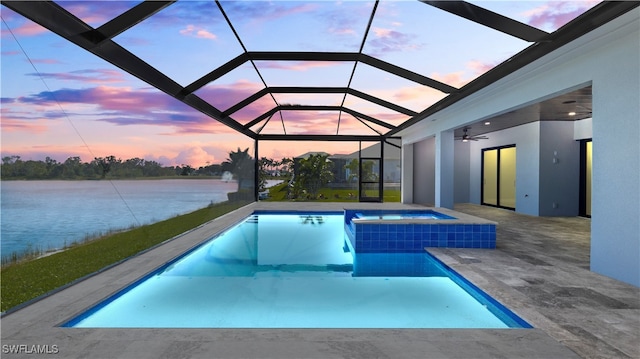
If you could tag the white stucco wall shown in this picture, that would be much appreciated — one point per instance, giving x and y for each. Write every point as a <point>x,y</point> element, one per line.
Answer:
<point>608,58</point>
<point>406,185</point>
<point>461,173</point>
<point>582,129</point>
<point>615,224</point>
<point>559,170</point>
<point>424,164</point>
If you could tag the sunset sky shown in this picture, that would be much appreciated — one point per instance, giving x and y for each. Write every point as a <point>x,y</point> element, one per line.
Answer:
<point>61,101</point>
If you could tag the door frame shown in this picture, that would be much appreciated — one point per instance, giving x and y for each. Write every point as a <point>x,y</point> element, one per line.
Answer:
<point>582,207</point>
<point>361,182</point>
<point>497,176</point>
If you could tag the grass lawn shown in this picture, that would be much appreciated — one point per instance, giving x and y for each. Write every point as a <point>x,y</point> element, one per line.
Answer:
<point>278,193</point>
<point>29,279</point>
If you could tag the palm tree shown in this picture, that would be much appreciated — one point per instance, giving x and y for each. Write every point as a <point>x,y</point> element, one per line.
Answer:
<point>314,172</point>
<point>241,165</point>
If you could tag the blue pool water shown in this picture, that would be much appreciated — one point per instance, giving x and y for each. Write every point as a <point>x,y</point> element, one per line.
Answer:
<point>398,215</point>
<point>296,271</point>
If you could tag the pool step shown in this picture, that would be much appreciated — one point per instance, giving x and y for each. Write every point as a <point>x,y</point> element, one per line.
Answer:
<point>252,219</point>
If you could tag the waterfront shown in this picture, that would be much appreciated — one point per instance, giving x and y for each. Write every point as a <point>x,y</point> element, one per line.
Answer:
<point>47,215</point>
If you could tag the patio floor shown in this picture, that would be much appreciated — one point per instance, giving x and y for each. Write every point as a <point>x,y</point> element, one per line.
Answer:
<point>539,270</point>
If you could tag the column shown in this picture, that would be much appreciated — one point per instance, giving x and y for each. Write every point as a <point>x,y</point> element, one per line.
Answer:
<point>406,185</point>
<point>444,169</point>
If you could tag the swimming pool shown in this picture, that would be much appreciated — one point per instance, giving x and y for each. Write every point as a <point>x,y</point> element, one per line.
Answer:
<point>296,270</point>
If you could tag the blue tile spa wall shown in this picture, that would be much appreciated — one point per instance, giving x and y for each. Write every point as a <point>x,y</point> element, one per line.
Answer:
<point>396,265</point>
<point>414,237</point>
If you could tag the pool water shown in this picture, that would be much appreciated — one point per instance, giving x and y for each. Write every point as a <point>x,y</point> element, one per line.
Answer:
<point>295,271</point>
<point>399,215</point>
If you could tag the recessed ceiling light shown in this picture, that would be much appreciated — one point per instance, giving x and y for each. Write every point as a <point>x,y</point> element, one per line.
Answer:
<point>572,113</point>
<point>487,123</point>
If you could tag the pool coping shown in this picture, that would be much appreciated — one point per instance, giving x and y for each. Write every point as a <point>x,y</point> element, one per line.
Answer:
<point>38,323</point>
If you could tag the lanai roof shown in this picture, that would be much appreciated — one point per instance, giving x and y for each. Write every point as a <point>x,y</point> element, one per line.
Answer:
<point>349,70</point>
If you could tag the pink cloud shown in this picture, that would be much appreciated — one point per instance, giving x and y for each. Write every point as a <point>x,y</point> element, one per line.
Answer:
<point>342,31</point>
<point>124,106</point>
<point>479,67</point>
<point>389,40</point>
<point>555,14</point>
<point>196,156</point>
<point>455,79</point>
<point>458,79</point>
<point>27,28</point>
<point>198,32</point>
<point>96,13</point>
<point>14,125</point>
<point>207,126</point>
<point>45,61</point>
<point>97,76</point>
<point>227,95</point>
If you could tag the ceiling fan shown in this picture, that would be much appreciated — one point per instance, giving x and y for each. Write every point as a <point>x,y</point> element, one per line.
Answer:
<point>466,137</point>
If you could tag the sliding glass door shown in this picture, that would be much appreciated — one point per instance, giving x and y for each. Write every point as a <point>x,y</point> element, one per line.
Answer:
<point>499,176</point>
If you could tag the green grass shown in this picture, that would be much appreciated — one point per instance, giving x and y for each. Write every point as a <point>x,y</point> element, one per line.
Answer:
<point>29,279</point>
<point>278,193</point>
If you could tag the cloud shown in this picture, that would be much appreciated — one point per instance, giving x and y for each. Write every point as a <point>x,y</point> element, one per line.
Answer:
<point>195,155</point>
<point>455,79</point>
<point>388,40</point>
<point>295,65</point>
<point>14,125</point>
<point>263,11</point>
<point>554,14</point>
<point>197,32</point>
<point>227,95</point>
<point>96,76</point>
<point>473,69</point>
<point>479,67</point>
<point>46,61</point>
<point>340,18</point>
<point>125,106</point>
<point>96,13</point>
<point>24,28</point>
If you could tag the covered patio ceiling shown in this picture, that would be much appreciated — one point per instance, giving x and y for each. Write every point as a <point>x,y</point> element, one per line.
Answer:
<point>317,70</point>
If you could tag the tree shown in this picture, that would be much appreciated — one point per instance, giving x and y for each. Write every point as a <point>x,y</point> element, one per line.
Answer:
<point>186,170</point>
<point>263,164</point>
<point>105,164</point>
<point>353,169</point>
<point>313,173</point>
<point>368,173</point>
<point>286,165</point>
<point>72,168</point>
<point>241,165</point>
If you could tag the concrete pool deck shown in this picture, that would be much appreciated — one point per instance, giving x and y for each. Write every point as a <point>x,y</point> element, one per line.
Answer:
<point>539,270</point>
